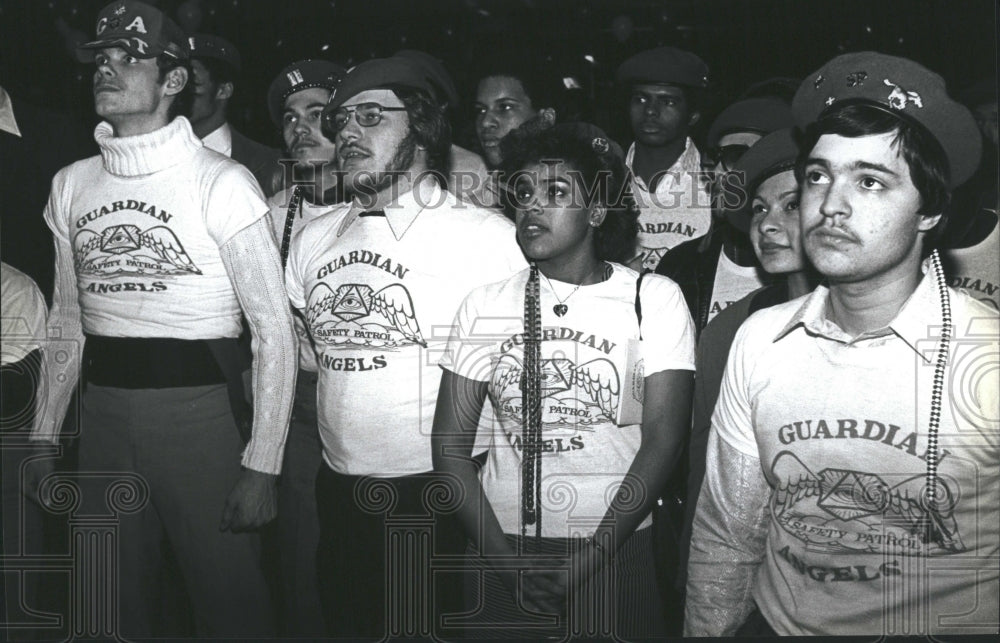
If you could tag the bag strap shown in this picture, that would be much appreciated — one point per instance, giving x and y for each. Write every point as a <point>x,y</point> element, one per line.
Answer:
<point>638,300</point>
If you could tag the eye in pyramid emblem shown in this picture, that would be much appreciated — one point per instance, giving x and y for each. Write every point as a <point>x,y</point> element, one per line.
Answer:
<point>120,239</point>
<point>849,494</point>
<point>351,302</point>
<point>557,376</point>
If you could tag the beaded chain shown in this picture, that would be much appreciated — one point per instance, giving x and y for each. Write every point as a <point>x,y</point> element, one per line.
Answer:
<point>531,408</point>
<point>938,387</point>
<point>293,210</point>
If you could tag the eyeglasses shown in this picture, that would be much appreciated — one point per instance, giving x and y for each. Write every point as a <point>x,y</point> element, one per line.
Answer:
<point>366,114</point>
<point>727,155</point>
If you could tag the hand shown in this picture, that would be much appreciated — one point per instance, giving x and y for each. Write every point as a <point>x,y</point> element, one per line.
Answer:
<point>252,503</point>
<point>35,471</point>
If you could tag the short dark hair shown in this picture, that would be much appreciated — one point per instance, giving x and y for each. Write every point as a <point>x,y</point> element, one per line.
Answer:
<point>183,100</point>
<point>542,86</point>
<point>923,154</point>
<point>602,174</point>
<point>219,71</point>
<point>428,126</point>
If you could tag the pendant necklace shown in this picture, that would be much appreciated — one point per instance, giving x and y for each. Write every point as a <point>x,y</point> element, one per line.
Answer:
<point>561,308</point>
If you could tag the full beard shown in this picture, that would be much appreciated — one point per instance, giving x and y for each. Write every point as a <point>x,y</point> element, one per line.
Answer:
<point>367,184</point>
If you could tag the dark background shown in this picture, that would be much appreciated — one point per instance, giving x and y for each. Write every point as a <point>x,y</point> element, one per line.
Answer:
<point>743,42</point>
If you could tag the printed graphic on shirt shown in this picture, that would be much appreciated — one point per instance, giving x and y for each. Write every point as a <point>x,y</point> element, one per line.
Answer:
<point>358,316</point>
<point>842,510</point>
<point>651,257</point>
<point>981,289</point>
<point>572,395</point>
<point>129,250</point>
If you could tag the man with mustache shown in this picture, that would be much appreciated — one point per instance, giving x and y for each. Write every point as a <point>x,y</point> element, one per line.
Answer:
<point>851,482</point>
<point>665,86</point>
<point>378,286</point>
<point>161,244</point>
<point>296,100</point>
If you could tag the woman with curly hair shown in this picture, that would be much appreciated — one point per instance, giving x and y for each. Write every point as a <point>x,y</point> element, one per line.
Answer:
<point>560,517</point>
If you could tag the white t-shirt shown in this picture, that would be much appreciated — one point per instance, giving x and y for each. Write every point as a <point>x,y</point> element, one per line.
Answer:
<point>22,315</point>
<point>976,269</point>
<point>677,211</point>
<point>278,214</point>
<point>146,220</point>
<point>586,455</point>
<point>732,283</point>
<point>840,428</point>
<point>379,295</point>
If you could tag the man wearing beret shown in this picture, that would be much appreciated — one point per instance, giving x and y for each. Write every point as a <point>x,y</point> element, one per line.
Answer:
<point>296,100</point>
<point>851,482</point>
<point>161,244</point>
<point>376,285</point>
<point>216,65</point>
<point>720,268</point>
<point>664,85</point>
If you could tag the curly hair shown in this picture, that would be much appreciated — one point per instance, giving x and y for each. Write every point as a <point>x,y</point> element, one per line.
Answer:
<point>601,178</point>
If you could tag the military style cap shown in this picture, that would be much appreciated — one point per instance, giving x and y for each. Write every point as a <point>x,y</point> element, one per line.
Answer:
<point>205,45</point>
<point>304,74</point>
<point>444,86</point>
<point>773,154</point>
<point>667,65</point>
<point>380,73</point>
<point>901,86</point>
<point>760,115</point>
<point>141,30</point>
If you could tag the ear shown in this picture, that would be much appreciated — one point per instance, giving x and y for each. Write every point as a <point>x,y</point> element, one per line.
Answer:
<point>694,118</point>
<point>224,92</point>
<point>177,78</point>
<point>928,222</point>
<point>597,214</point>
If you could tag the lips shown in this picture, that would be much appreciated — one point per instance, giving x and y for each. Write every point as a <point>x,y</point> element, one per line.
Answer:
<point>105,87</point>
<point>831,236</point>
<point>771,247</point>
<point>352,154</point>
<point>531,229</point>
<point>490,142</point>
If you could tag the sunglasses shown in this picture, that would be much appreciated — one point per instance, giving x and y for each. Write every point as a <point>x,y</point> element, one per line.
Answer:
<point>727,155</point>
<point>366,114</point>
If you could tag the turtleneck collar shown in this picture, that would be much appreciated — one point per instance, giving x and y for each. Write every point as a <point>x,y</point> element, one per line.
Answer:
<point>146,153</point>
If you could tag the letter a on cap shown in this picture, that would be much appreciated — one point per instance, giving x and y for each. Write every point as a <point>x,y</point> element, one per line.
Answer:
<point>137,25</point>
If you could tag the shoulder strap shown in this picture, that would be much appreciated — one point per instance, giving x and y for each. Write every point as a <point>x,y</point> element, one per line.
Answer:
<point>293,208</point>
<point>638,300</point>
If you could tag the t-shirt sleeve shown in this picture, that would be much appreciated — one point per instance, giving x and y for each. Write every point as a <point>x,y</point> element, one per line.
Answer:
<point>470,343</point>
<point>55,212</point>
<point>667,330</point>
<point>732,418</point>
<point>234,201</point>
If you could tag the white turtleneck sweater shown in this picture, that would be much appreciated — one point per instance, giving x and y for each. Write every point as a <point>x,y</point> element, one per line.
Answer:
<point>141,243</point>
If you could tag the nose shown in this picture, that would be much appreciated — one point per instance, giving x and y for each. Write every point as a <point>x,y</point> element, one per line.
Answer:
<point>651,108</point>
<point>835,201</point>
<point>104,68</point>
<point>768,224</point>
<point>488,120</point>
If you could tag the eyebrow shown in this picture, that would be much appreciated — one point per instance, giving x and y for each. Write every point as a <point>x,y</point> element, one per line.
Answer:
<point>856,165</point>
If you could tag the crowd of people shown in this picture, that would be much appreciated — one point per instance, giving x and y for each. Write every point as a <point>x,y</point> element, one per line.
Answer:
<point>377,384</point>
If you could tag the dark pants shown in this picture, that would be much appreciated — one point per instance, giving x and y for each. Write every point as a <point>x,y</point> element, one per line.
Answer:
<point>298,524</point>
<point>379,538</point>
